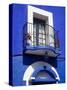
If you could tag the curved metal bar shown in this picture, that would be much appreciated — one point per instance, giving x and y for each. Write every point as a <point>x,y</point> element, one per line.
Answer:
<point>56,40</point>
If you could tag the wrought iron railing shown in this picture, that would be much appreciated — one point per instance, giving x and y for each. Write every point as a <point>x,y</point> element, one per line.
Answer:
<point>41,36</point>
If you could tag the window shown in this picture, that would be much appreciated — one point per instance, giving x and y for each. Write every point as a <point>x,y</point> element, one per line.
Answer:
<point>40,27</point>
<point>38,32</point>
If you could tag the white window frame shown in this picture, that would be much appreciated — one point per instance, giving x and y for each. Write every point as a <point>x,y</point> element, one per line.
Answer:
<point>41,14</point>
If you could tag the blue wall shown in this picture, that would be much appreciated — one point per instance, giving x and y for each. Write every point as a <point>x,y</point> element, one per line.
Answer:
<point>18,14</point>
<point>17,19</point>
<point>18,62</point>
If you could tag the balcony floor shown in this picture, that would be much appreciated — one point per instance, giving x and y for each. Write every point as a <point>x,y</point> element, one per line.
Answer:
<point>42,50</point>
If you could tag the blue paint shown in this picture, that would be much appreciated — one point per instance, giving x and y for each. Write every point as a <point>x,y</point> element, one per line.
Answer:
<point>18,70</point>
<point>18,61</point>
<point>19,17</point>
<point>61,69</point>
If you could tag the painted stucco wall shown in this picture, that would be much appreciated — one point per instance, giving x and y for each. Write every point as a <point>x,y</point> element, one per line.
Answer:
<point>18,62</point>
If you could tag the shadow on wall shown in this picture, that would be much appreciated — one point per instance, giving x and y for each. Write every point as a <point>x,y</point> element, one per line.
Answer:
<point>29,59</point>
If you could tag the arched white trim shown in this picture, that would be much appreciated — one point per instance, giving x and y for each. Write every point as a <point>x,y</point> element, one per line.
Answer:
<point>29,71</point>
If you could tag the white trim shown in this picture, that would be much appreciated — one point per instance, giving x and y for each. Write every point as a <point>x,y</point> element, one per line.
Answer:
<point>39,11</point>
<point>32,68</point>
<point>32,77</point>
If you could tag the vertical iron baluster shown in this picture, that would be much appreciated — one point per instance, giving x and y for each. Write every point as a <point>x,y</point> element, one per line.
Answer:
<point>42,36</point>
<point>33,33</point>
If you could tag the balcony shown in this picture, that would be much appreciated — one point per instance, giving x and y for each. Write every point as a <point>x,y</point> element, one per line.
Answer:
<point>40,39</point>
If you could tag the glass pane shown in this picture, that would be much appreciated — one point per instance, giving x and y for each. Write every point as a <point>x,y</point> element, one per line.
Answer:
<point>40,31</point>
<point>34,34</point>
<point>34,39</point>
<point>43,37</point>
<point>34,27</point>
<point>40,40</point>
<point>44,41</point>
<point>40,44</point>
<point>34,43</point>
<point>40,35</point>
<point>42,28</point>
<point>43,31</point>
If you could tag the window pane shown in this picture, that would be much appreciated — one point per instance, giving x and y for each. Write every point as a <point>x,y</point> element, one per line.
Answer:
<point>34,39</point>
<point>34,27</point>
<point>34,43</point>
<point>43,41</point>
<point>40,35</point>
<point>40,40</point>
<point>43,36</point>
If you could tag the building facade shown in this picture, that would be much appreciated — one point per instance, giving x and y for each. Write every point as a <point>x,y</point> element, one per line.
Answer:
<point>36,44</point>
